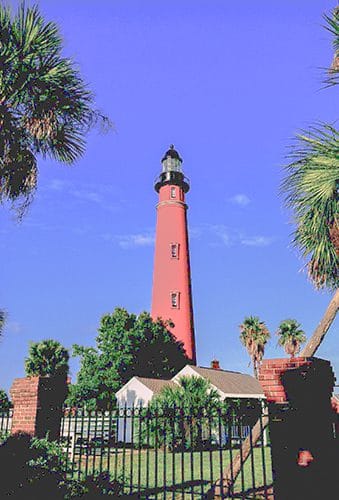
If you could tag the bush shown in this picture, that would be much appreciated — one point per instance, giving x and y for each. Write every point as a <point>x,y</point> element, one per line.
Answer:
<point>36,468</point>
<point>30,468</point>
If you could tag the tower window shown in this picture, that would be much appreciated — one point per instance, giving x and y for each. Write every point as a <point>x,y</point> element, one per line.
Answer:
<point>175,250</point>
<point>175,300</point>
<point>173,192</point>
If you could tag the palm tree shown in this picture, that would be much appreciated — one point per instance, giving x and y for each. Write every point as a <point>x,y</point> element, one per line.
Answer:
<point>332,25</point>
<point>254,336</point>
<point>311,191</point>
<point>191,393</point>
<point>47,358</point>
<point>291,336</point>
<point>183,405</point>
<point>45,106</point>
<point>314,167</point>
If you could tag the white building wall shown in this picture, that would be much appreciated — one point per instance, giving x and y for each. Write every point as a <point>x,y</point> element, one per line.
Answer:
<point>133,394</point>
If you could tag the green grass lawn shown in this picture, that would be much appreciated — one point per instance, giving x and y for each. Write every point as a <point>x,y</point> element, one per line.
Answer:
<point>178,475</point>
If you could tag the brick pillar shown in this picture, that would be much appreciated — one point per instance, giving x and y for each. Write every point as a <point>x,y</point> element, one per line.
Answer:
<point>299,393</point>
<point>37,405</point>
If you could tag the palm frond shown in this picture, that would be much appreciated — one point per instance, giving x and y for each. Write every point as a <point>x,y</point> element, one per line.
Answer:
<point>310,189</point>
<point>45,106</point>
<point>18,174</point>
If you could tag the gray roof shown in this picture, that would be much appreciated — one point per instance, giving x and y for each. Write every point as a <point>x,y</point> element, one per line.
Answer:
<point>231,382</point>
<point>155,384</point>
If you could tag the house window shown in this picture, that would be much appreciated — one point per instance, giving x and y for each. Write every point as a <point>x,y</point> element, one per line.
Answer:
<point>175,300</point>
<point>173,193</point>
<point>175,250</point>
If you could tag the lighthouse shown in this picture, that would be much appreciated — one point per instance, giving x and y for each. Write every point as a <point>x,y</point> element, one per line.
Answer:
<point>172,294</point>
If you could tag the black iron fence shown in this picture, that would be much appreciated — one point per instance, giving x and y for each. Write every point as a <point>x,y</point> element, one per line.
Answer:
<point>168,453</point>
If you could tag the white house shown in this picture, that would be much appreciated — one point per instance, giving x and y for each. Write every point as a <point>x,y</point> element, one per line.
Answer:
<point>137,392</point>
<point>140,390</point>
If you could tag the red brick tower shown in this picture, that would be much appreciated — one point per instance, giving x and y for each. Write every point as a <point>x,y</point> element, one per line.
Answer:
<point>172,296</point>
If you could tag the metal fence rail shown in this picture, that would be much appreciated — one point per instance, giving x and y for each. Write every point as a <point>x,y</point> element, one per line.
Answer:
<point>166,453</point>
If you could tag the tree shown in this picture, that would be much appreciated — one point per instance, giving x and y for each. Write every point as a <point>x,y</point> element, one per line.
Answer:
<point>311,191</point>
<point>183,415</point>
<point>192,394</point>
<point>5,403</point>
<point>254,336</point>
<point>291,336</point>
<point>126,345</point>
<point>308,186</point>
<point>47,358</point>
<point>45,106</point>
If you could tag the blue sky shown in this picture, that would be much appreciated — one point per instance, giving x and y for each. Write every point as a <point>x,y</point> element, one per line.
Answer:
<point>229,83</point>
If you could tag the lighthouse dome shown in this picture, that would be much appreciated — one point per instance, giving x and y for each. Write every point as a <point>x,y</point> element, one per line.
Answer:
<point>171,171</point>
<point>172,153</point>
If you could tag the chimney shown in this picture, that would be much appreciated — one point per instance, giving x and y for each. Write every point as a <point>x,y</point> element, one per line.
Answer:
<point>215,364</point>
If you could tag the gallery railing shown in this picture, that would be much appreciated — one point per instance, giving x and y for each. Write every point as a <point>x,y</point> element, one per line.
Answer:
<point>167,453</point>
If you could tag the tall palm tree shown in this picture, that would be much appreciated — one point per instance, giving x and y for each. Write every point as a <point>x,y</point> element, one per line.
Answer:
<point>254,336</point>
<point>291,336</point>
<point>311,191</point>
<point>317,153</point>
<point>45,106</point>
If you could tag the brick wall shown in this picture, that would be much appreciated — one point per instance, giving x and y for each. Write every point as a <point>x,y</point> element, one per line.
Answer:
<point>273,372</point>
<point>25,398</point>
<point>37,405</point>
<point>304,454</point>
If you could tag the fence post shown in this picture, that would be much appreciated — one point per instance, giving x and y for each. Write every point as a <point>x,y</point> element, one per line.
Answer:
<point>299,393</point>
<point>37,405</point>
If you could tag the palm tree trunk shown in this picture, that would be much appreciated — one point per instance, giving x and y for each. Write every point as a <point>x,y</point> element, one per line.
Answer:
<point>320,332</point>
<point>223,486</point>
<point>254,366</point>
<point>230,474</point>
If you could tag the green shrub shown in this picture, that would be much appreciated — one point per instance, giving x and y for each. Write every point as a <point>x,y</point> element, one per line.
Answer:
<point>38,469</point>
